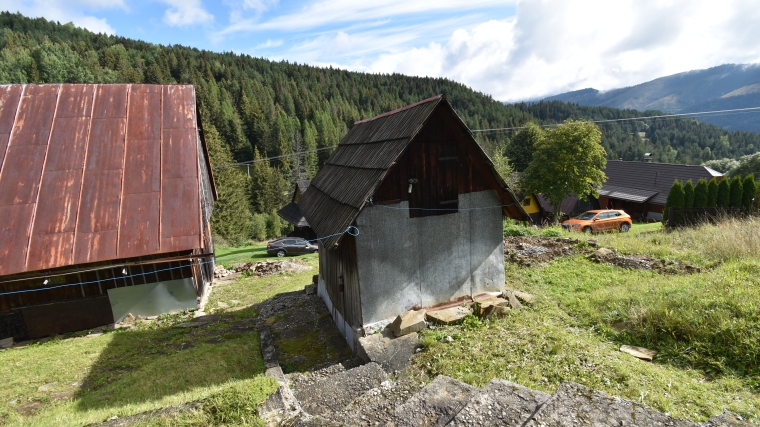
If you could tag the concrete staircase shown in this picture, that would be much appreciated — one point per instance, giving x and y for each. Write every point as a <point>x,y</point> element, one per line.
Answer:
<point>366,396</point>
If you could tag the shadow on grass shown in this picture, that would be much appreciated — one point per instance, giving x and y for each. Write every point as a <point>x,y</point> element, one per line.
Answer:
<point>139,366</point>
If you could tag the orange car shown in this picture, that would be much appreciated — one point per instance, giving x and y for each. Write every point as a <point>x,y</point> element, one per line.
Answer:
<point>599,220</point>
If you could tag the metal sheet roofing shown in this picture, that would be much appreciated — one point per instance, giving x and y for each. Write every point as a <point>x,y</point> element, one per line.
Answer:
<point>626,193</point>
<point>93,173</point>
<point>652,177</point>
<point>353,172</point>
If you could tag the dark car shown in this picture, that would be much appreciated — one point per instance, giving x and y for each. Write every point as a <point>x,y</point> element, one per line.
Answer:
<point>291,246</point>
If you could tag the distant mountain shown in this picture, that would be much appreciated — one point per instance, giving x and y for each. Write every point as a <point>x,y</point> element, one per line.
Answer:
<point>724,87</point>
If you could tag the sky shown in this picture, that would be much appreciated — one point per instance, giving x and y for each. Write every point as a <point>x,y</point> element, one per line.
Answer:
<point>513,50</point>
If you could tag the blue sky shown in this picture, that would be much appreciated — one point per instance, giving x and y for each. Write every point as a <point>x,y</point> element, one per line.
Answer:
<point>513,50</point>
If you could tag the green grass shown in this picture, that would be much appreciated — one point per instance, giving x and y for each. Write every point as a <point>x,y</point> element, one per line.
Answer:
<point>251,290</point>
<point>151,366</point>
<point>706,326</point>
<point>122,373</point>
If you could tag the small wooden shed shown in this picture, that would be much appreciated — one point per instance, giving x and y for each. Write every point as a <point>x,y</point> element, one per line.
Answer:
<point>106,193</point>
<point>428,206</point>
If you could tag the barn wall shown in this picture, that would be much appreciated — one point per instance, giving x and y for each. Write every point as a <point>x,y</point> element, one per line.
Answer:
<point>406,261</point>
<point>338,266</point>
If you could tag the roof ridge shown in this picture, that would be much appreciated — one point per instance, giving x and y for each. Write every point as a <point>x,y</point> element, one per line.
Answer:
<point>398,110</point>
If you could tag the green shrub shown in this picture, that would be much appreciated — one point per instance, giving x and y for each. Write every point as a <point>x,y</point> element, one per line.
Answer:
<point>675,200</point>
<point>735,192</point>
<point>259,227</point>
<point>712,193</point>
<point>749,190</point>
<point>724,194</point>
<point>700,194</point>
<point>688,190</point>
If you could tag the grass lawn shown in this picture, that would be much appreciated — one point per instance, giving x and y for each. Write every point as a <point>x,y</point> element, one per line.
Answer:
<point>706,326</point>
<point>151,366</point>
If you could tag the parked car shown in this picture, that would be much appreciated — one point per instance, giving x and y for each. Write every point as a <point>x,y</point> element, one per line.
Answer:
<point>291,246</point>
<point>600,220</point>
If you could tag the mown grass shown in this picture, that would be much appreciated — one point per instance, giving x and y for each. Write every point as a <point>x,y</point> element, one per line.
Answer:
<point>706,326</point>
<point>123,372</point>
<point>152,366</point>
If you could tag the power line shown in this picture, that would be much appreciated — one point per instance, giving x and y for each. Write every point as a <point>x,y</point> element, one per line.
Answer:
<point>663,116</point>
<point>250,162</point>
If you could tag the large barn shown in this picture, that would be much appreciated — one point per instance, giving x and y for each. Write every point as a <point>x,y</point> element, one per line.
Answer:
<point>105,197</point>
<point>428,206</point>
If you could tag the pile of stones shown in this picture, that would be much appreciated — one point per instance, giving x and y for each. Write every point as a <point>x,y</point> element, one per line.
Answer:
<point>220,272</point>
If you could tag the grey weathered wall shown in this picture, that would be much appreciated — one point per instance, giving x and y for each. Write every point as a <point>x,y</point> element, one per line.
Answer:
<point>406,261</point>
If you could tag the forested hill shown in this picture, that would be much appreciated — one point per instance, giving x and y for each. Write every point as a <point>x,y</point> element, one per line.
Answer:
<point>728,86</point>
<point>256,108</point>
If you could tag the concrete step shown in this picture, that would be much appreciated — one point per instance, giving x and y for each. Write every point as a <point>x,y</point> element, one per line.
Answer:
<point>436,404</point>
<point>500,403</point>
<point>377,407</point>
<point>308,421</point>
<point>333,393</point>
<point>576,405</point>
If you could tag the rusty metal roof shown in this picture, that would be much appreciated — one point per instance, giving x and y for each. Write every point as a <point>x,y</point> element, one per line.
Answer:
<point>94,173</point>
<point>358,165</point>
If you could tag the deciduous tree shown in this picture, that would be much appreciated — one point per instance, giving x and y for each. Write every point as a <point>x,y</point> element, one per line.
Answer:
<point>569,160</point>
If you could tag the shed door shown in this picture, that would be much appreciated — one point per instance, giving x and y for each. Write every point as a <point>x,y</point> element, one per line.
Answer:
<point>433,178</point>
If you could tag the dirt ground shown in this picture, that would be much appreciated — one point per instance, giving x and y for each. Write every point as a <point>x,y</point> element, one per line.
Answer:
<point>535,251</point>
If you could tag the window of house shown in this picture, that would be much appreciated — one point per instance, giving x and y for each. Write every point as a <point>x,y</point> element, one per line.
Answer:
<point>526,202</point>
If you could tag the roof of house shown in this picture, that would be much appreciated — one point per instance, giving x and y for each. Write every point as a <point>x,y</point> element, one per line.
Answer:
<point>94,172</point>
<point>648,182</point>
<point>354,171</point>
<point>292,214</point>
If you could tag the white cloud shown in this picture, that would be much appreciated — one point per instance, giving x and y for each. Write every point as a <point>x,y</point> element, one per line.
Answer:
<point>270,44</point>
<point>330,12</point>
<point>186,12</point>
<point>65,11</point>
<point>558,45</point>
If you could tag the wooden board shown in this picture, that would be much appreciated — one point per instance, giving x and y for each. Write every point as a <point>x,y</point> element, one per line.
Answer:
<point>67,316</point>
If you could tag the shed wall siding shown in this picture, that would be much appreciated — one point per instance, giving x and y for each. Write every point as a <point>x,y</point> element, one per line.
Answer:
<point>406,261</point>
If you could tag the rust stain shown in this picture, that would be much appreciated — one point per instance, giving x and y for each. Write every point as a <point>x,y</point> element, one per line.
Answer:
<point>14,232</point>
<point>138,231</point>
<point>120,174</point>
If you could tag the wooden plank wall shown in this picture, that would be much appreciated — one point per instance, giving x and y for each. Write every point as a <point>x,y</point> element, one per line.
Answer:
<point>438,158</point>
<point>338,262</point>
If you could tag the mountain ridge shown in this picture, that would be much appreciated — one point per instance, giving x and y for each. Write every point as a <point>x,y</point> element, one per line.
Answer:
<point>724,87</point>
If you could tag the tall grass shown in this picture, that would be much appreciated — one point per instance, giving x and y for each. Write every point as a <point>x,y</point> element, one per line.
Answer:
<point>731,239</point>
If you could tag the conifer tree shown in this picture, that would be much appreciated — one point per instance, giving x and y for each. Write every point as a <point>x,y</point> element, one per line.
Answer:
<point>712,193</point>
<point>688,190</point>
<point>675,200</point>
<point>700,194</point>
<point>231,217</point>
<point>749,190</point>
<point>724,194</point>
<point>735,192</point>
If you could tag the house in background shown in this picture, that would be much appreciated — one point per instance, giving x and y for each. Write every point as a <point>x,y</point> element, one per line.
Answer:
<point>106,193</point>
<point>292,213</point>
<point>641,188</point>
<point>427,205</point>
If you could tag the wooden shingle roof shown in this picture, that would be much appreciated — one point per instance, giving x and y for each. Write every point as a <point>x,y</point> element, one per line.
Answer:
<point>354,171</point>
